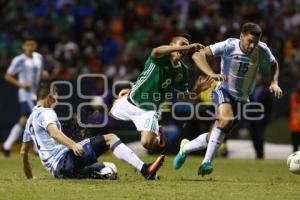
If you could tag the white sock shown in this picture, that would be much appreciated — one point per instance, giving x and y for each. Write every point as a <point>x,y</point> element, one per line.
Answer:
<point>196,144</point>
<point>216,137</point>
<point>14,134</point>
<point>122,152</point>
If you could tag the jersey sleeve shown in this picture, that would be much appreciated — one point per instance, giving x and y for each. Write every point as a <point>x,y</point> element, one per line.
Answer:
<point>26,136</point>
<point>15,66</point>
<point>268,56</point>
<point>218,49</point>
<point>47,117</point>
<point>42,60</point>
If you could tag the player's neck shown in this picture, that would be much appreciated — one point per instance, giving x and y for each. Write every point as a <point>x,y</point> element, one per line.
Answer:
<point>28,54</point>
<point>241,48</point>
<point>43,103</point>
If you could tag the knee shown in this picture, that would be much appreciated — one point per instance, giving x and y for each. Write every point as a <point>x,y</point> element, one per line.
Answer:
<point>23,121</point>
<point>148,141</point>
<point>225,124</point>
<point>111,138</point>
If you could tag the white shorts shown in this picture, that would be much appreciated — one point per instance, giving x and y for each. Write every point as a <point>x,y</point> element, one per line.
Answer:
<point>143,120</point>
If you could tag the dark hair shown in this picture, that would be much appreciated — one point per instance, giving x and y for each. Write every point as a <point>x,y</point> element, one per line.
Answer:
<point>28,37</point>
<point>251,28</point>
<point>44,89</point>
<point>184,35</point>
<point>180,35</point>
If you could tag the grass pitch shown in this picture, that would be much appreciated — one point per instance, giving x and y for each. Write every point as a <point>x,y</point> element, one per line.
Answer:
<point>232,179</point>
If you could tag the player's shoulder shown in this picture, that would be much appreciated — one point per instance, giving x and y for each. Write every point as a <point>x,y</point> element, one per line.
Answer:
<point>38,55</point>
<point>262,46</point>
<point>232,41</point>
<point>159,59</point>
<point>19,58</point>
<point>44,112</point>
<point>48,111</point>
<point>231,44</point>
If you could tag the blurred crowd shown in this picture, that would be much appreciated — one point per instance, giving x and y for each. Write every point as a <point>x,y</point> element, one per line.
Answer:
<point>114,37</point>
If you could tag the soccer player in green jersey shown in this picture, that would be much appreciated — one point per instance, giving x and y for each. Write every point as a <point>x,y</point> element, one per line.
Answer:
<point>163,73</point>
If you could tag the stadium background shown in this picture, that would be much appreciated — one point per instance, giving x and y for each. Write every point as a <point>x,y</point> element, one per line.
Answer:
<point>114,37</point>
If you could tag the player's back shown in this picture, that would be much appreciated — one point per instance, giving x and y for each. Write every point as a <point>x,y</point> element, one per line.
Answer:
<point>49,150</point>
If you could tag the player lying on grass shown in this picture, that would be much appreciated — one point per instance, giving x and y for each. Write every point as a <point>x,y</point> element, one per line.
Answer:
<point>65,158</point>
<point>163,73</point>
<point>240,60</point>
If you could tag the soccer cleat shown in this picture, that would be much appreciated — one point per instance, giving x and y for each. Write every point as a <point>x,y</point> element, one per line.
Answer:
<point>150,170</point>
<point>205,168</point>
<point>5,152</point>
<point>181,156</point>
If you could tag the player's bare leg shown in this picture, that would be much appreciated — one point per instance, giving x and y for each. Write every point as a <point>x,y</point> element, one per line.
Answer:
<point>151,140</point>
<point>221,127</point>
<point>14,134</point>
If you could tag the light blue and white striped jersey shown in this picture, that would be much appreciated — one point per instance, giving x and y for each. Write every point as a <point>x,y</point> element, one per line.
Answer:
<point>50,152</point>
<point>28,70</point>
<point>240,68</point>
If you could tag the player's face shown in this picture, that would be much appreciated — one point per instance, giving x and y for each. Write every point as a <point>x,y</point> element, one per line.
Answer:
<point>29,46</point>
<point>248,42</point>
<point>180,42</point>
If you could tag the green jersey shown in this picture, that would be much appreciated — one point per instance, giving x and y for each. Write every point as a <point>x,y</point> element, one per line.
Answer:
<point>157,82</point>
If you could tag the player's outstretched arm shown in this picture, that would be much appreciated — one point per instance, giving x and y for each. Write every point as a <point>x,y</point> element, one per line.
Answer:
<point>25,159</point>
<point>61,138</point>
<point>274,87</point>
<point>167,49</point>
<point>201,60</point>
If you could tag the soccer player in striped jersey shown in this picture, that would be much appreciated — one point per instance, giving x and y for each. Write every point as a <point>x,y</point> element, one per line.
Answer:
<point>65,158</point>
<point>240,61</point>
<point>163,73</point>
<point>24,72</point>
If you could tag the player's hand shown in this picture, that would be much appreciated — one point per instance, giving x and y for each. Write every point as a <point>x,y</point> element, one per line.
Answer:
<point>203,84</point>
<point>25,86</point>
<point>195,47</point>
<point>274,88</point>
<point>218,77</point>
<point>77,149</point>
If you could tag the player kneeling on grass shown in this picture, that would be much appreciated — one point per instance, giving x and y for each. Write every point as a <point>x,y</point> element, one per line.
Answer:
<point>65,158</point>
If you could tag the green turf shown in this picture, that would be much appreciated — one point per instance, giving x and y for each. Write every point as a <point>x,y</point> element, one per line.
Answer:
<point>232,179</point>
